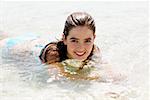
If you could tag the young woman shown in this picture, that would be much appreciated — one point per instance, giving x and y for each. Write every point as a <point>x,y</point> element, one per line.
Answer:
<point>77,41</point>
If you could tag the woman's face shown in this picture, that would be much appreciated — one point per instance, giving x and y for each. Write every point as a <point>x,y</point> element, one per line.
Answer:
<point>79,42</point>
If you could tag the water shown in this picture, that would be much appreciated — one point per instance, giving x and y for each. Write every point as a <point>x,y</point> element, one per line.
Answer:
<point>122,30</point>
<point>23,76</point>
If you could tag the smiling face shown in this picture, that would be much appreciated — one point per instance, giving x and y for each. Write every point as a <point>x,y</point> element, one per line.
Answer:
<point>79,42</point>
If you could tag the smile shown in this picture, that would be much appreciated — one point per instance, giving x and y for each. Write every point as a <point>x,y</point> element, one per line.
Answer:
<point>80,53</point>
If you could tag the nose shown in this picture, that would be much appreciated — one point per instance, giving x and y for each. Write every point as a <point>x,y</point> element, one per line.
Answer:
<point>80,47</point>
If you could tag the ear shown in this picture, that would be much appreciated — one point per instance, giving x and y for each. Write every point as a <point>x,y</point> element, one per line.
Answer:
<point>64,39</point>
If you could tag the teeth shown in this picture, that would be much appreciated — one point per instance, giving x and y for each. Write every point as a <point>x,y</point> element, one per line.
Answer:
<point>79,53</point>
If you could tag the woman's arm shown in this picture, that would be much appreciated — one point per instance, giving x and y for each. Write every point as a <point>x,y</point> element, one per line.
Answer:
<point>49,53</point>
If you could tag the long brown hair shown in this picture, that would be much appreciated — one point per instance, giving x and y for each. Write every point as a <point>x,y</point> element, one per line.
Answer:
<point>73,20</point>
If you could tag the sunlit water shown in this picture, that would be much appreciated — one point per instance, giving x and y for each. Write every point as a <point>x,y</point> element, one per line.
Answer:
<point>24,77</point>
<point>121,34</point>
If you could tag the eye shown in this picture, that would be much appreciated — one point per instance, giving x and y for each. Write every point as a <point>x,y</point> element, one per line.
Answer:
<point>76,41</point>
<point>88,41</point>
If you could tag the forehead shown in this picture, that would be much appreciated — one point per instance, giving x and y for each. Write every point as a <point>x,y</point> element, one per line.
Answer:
<point>81,32</point>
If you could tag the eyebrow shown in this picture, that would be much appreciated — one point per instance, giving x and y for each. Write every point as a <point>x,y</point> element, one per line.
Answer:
<point>88,39</point>
<point>73,38</point>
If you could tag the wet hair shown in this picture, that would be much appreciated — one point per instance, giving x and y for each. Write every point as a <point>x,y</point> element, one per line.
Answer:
<point>73,20</point>
<point>79,19</point>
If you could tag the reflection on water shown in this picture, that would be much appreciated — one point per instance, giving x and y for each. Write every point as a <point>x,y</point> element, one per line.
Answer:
<point>24,77</point>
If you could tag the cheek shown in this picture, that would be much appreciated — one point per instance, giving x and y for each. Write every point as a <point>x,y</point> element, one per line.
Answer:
<point>89,45</point>
<point>89,48</point>
<point>70,47</point>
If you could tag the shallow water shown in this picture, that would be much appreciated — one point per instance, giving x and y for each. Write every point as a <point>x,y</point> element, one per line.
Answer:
<point>24,76</point>
<point>33,82</point>
<point>122,35</point>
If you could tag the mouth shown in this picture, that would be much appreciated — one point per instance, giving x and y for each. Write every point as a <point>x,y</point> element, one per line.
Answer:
<point>80,53</point>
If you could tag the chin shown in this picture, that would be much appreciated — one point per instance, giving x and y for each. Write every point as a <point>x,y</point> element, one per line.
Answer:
<point>81,59</point>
